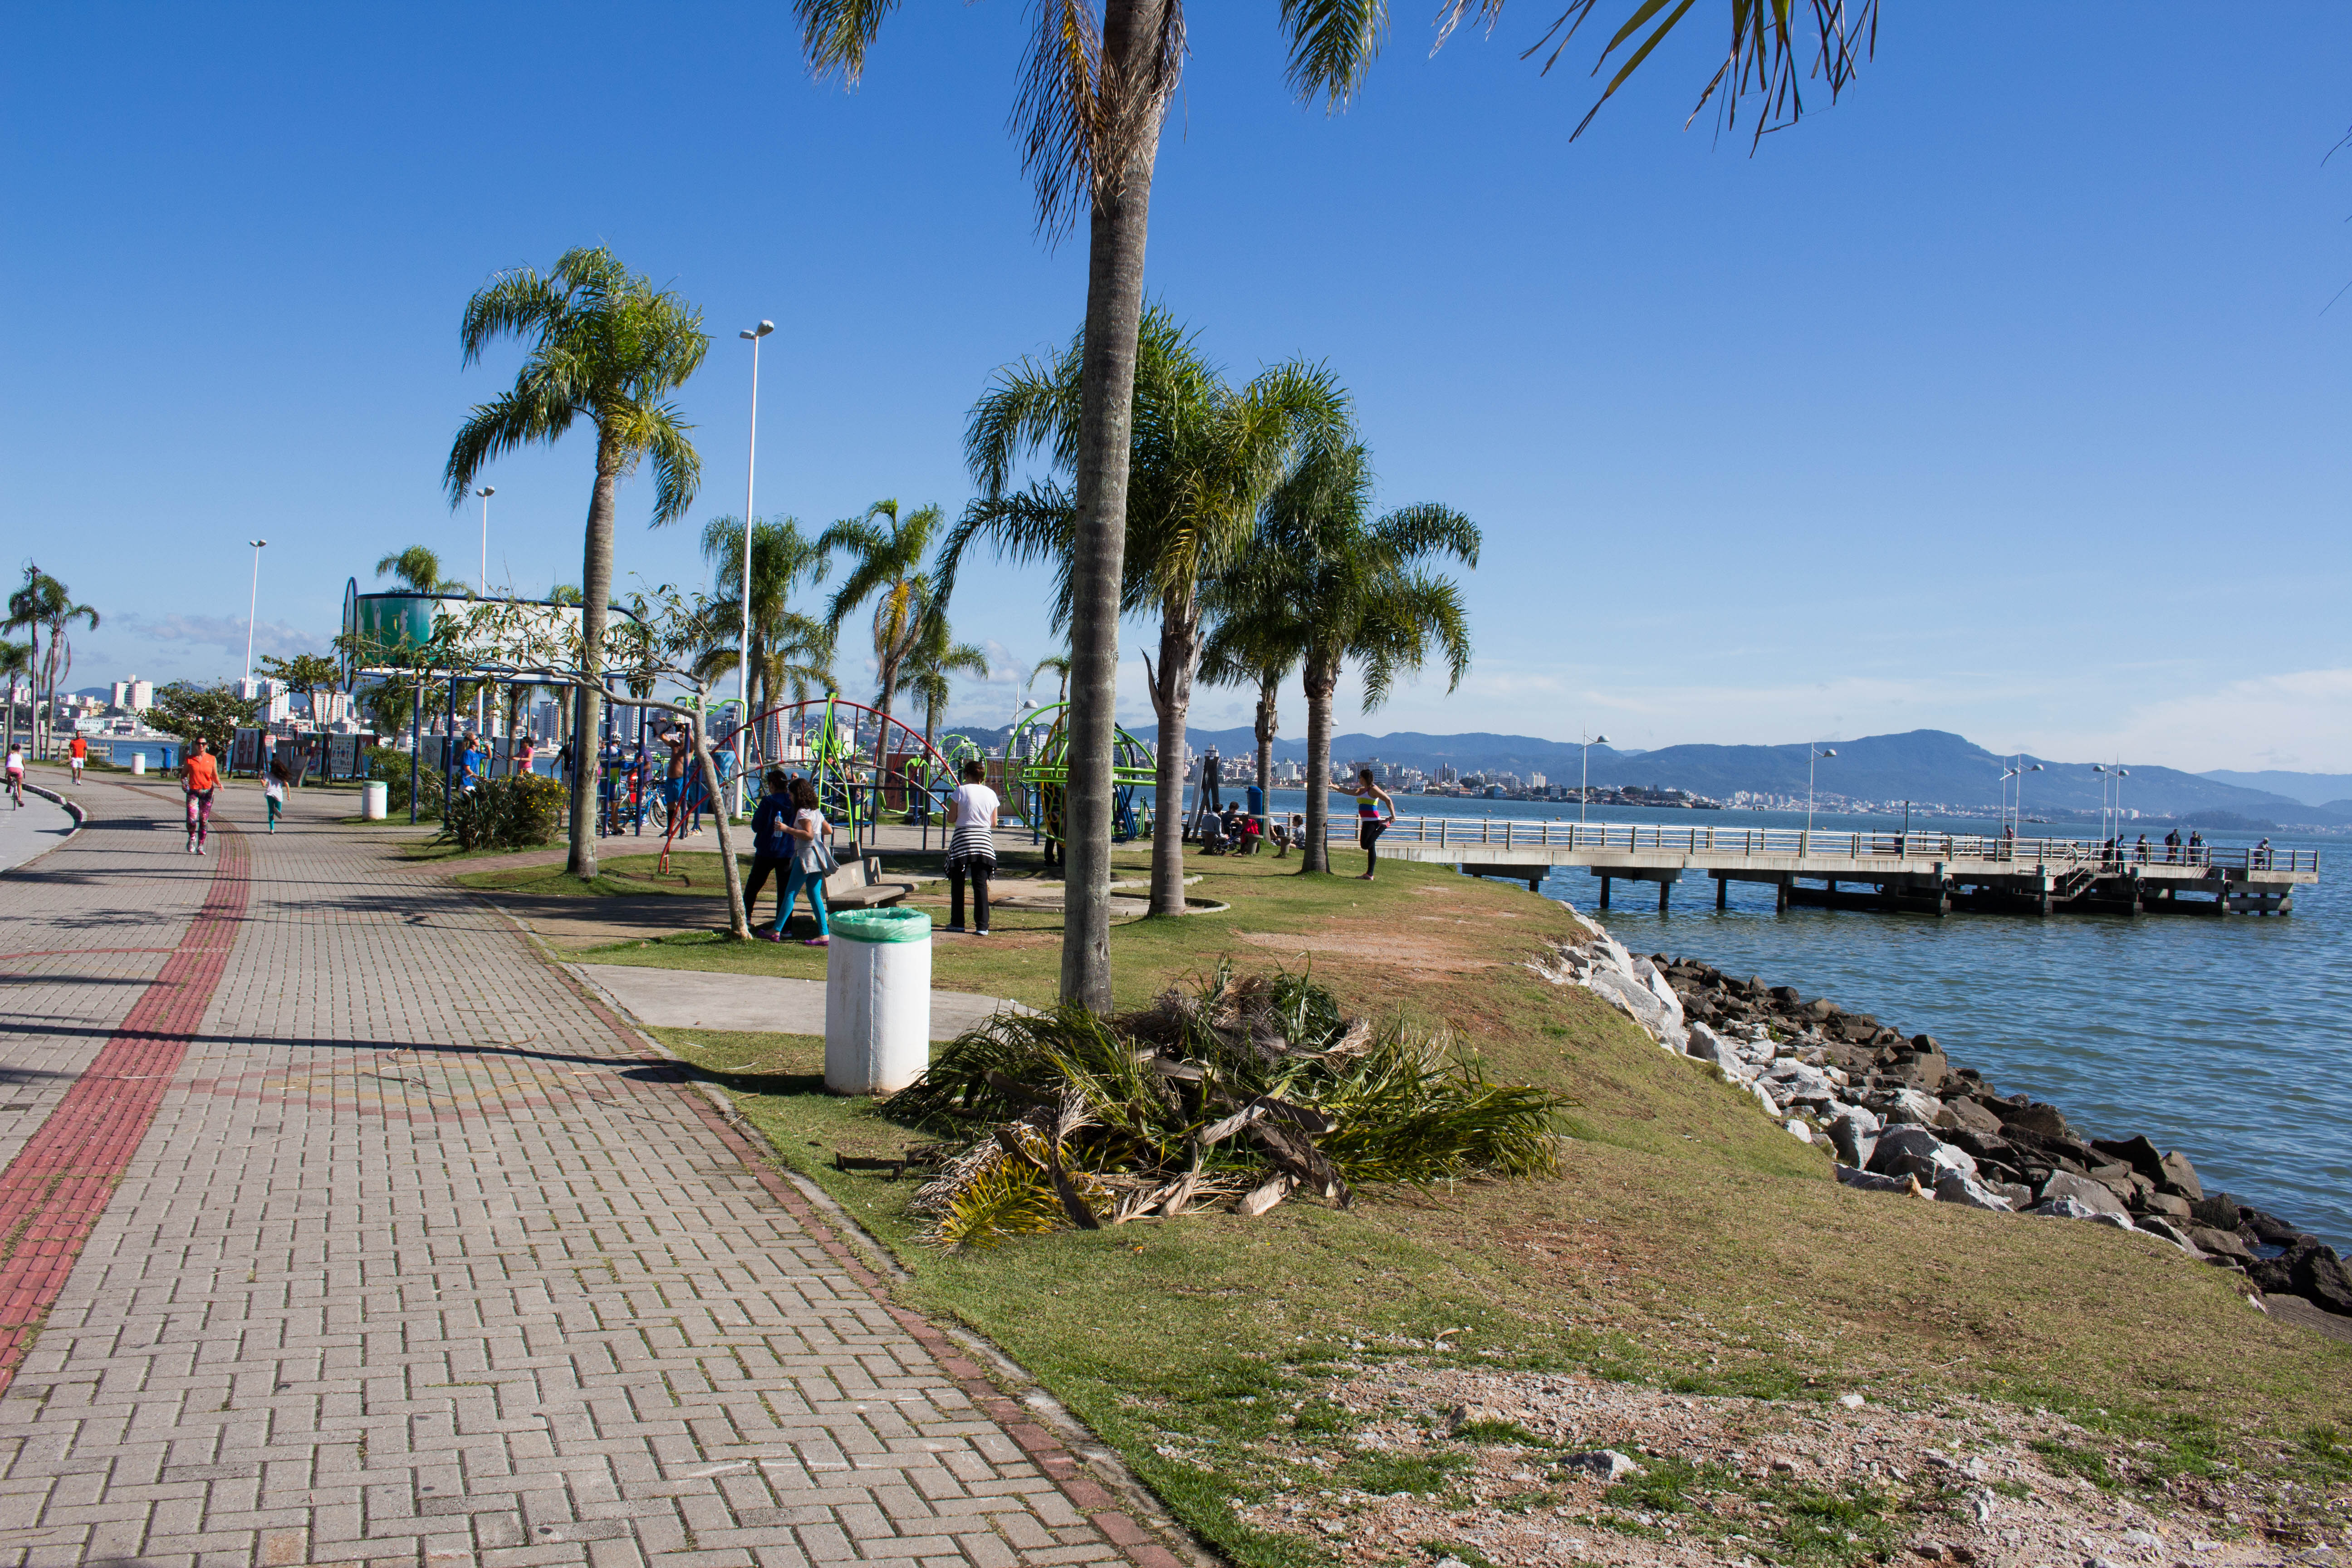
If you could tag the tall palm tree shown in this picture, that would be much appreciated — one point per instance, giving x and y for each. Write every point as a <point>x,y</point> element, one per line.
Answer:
<point>787,647</point>
<point>17,667</point>
<point>418,570</point>
<point>1057,665</point>
<point>1206,455</point>
<point>1360,592</point>
<point>44,605</point>
<point>938,655</point>
<point>609,347</point>
<point>887,559</point>
<point>1094,94</point>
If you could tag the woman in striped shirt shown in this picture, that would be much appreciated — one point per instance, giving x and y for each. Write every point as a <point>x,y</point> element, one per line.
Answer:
<point>971,853</point>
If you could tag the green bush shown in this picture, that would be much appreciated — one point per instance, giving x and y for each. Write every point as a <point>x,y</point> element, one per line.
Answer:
<point>391,767</point>
<point>505,813</point>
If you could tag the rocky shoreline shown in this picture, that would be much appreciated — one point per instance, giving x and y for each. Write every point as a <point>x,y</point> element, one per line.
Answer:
<point>1902,1119</point>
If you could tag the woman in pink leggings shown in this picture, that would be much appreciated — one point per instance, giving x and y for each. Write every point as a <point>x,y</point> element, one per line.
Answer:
<point>199,777</point>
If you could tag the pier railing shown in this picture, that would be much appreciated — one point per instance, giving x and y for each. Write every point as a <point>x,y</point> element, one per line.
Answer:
<point>1723,843</point>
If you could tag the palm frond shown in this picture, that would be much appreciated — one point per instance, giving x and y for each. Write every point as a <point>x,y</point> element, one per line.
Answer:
<point>835,34</point>
<point>1332,44</point>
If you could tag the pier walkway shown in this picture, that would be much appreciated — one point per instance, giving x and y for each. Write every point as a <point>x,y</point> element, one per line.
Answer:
<point>1918,873</point>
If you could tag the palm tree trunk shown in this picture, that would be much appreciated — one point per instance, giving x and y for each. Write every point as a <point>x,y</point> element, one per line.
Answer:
<point>1322,680</point>
<point>1171,698</point>
<point>1268,720</point>
<point>1117,230</point>
<point>595,597</point>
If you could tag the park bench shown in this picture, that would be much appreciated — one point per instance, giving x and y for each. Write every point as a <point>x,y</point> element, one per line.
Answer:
<point>858,885</point>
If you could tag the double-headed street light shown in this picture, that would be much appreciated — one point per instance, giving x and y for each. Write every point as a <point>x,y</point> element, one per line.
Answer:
<point>744,645</point>
<point>1584,783</point>
<point>2117,773</point>
<point>1814,754</point>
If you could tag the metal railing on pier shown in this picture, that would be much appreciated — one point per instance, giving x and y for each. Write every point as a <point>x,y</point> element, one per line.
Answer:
<point>1730,843</point>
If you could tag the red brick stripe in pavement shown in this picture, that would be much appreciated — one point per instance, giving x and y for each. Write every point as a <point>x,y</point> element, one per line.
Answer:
<point>54,1191</point>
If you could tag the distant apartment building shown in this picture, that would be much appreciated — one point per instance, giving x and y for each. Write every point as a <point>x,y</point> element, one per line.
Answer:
<point>134,695</point>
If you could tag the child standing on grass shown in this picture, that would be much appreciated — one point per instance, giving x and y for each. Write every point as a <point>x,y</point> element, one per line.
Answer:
<point>274,790</point>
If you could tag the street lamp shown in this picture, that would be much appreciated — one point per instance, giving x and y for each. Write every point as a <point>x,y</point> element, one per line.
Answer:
<point>1814,754</point>
<point>253,608</point>
<point>1584,782</point>
<point>486,492</point>
<point>2117,774</point>
<point>743,644</point>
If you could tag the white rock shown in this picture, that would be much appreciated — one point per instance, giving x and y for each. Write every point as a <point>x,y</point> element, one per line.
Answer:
<point>1800,1132</point>
<point>1603,1464</point>
<point>1952,1187</point>
<point>1851,1401</point>
<point>2143,1537</point>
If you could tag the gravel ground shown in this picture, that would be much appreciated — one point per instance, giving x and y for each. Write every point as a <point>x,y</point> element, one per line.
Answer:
<point>1729,1480</point>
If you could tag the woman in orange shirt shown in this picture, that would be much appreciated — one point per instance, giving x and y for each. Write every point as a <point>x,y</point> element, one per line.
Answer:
<point>199,777</point>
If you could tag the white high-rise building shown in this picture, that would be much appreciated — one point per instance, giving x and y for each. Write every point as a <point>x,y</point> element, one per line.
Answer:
<point>134,694</point>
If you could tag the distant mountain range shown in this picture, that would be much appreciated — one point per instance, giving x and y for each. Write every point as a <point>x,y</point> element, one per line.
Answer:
<point>1930,766</point>
<point>2331,790</point>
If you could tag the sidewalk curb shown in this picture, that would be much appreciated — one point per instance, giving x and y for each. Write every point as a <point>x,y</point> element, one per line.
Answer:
<point>72,808</point>
<point>1086,1471</point>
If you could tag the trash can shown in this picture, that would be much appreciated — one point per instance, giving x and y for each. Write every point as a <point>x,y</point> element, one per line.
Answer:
<point>138,764</point>
<point>375,800</point>
<point>877,1001</point>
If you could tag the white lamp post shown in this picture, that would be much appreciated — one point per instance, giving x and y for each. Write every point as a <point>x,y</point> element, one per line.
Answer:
<point>1814,754</point>
<point>743,644</point>
<point>486,492</point>
<point>1584,781</point>
<point>253,607</point>
<point>2021,770</point>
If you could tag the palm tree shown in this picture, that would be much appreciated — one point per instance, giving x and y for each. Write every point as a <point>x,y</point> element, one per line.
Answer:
<point>789,650</point>
<point>17,666</point>
<point>1206,455</point>
<point>1360,593</point>
<point>886,555</point>
<point>1093,93</point>
<point>1058,666</point>
<point>936,656</point>
<point>44,604</point>
<point>418,570</point>
<point>1258,641</point>
<point>606,346</point>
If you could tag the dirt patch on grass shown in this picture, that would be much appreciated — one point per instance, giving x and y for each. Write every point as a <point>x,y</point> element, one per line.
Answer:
<point>1515,1465</point>
<point>1415,954</point>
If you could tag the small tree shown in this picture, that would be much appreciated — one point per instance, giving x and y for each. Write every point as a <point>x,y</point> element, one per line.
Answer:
<point>659,639</point>
<point>212,714</point>
<point>308,673</point>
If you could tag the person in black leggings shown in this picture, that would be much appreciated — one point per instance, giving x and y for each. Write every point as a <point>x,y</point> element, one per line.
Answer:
<point>771,845</point>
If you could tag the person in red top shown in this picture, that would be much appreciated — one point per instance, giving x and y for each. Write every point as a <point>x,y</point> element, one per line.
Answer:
<point>78,753</point>
<point>199,777</point>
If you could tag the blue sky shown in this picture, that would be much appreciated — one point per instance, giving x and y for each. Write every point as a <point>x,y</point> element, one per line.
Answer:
<point>2003,398</point>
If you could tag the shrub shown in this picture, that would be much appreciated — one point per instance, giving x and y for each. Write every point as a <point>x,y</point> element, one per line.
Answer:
<point>391,767</point>
<point>518,813</point>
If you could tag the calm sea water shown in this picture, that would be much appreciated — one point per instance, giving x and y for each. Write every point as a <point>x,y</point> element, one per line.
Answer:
<point>2228,1039</point>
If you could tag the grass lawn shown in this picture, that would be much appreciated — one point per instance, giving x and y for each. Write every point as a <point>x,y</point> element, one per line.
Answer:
<point>1690,1244</point>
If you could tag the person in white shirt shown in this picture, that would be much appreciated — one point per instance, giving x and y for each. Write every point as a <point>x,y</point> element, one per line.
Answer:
<point>972,849</point>
<point>17,774</point>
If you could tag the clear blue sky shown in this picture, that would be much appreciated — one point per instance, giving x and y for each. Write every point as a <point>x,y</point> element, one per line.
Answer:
<point>2002,398</point>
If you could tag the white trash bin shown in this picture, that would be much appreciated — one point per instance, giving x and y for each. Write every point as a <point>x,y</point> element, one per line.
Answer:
<point>138,764</point>
<point>877,1001</point>
<point>375,800</point>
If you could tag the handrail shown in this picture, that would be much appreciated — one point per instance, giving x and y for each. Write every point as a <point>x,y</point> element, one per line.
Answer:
<point>1718,843</point>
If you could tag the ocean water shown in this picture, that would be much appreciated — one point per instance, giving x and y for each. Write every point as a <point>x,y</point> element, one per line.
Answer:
<point>2230,1040</point>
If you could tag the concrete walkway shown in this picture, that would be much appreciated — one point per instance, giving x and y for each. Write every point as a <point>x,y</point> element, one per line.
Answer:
<point>754,1004</point>
<point>39,827</point>
<point>344,1229</point>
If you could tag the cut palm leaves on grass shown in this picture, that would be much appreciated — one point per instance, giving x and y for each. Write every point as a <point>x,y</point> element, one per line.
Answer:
<point>1242,1089</point>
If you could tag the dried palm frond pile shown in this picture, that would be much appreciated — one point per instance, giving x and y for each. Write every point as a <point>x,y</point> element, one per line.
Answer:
<point>1242,1089</point>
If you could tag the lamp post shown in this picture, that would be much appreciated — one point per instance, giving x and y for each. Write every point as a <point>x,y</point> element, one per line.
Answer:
<point>253,607</point>
<point>743,644</point>
<point>2021,770</point>
<point>1584,780</point>
<point>2117,774</point>
<point>486,492</point>
<point>1814,754</point>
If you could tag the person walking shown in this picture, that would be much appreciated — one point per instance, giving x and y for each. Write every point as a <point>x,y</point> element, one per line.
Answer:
<point>971,848</point>
<point>1212,779</point>
<point>812,862</point>
<point>77,754</point>
<point>199,777</point>
<point>1369,821</point>
<point>771,842</point>
<point>16,773</point>
<point>273,791</point>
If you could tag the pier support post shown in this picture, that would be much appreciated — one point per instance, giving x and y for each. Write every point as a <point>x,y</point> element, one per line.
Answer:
<point>1604,892</point>
<point>1664,887</point>
<point>1723,892</point>
<point>1780,897</point>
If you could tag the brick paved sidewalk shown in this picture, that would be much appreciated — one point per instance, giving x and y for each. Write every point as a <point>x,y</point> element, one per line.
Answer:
<point>420,1260</point>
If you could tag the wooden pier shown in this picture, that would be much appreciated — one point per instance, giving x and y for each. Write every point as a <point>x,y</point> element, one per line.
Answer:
<point>1905,873</point>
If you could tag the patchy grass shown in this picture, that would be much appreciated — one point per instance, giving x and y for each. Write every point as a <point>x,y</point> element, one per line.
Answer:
<point>1690,1244</point>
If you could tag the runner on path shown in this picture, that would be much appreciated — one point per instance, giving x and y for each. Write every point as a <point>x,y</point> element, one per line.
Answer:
<point>16,774</point>
<point>274,790</point>
<point>199,777</point>
<point>78,753</point>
